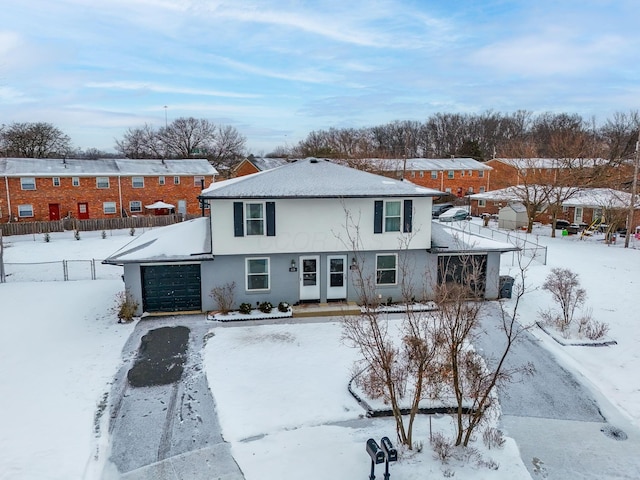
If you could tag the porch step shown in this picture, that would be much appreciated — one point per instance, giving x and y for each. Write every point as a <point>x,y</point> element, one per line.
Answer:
<point>336,309</point>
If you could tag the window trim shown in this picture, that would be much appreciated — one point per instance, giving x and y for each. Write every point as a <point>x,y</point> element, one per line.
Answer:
<point>161,180</point>
<point>131,202</point>
<point>98,184</point>
<point>386,217</point>
<point>104,208</point>
<point>247,274</point>
<point>262,219</point>
<point>140,182</point>
<point>451,174</point>
<point>75,181</point>
<point>434,174</point>
<point>24,182</point>
<point>197,180</point>
<point>482,203</point>
<point>21,208</point>
<point>55,181</point>
<point>480,173</point>
<point>176,180</point>
<point>394,269</point>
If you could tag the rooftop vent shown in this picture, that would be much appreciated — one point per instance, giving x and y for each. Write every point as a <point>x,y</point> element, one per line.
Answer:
<point>313,160</point>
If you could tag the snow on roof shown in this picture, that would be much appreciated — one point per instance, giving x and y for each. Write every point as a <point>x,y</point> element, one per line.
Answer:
<point>513,193</point>
<point>599,198</point>
<point>420,164</point>
<point>526,163</point>
<point>268,163</point>
<point>451,240</point>
<point>184,241</point>
<point>315,178</point>
<point>16,167</point>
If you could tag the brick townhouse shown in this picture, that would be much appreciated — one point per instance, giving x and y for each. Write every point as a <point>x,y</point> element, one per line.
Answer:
<point>455,176</point>
<point>33,189</point>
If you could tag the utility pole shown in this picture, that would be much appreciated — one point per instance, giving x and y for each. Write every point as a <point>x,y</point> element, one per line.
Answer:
<point>632,204</point>
<point>165,116</point>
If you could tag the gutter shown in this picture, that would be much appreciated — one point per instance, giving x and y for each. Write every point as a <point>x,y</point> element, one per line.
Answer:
<point>6,184</point>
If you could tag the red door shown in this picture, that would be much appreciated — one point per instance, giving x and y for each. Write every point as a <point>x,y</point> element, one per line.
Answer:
<point>54,211</point>
<point>83,211</point>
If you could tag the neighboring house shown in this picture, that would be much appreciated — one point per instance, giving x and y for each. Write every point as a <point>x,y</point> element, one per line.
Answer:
<point>299,233</point>
<point>454,176</point>
<point>33,189</point>
<point>256,164</point>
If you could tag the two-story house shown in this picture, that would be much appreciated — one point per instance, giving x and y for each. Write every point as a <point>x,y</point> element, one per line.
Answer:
<point>36,189</point>
<point>300,233</point>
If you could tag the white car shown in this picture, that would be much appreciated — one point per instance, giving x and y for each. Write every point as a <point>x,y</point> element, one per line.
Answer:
<point>453,214</point>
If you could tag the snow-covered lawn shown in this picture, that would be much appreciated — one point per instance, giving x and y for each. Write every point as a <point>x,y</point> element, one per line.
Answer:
<point>280,388</point>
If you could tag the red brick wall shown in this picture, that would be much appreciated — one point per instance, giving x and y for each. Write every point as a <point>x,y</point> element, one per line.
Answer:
<point>245,168</point>
<point>68,196</point>
<point>463,181</point>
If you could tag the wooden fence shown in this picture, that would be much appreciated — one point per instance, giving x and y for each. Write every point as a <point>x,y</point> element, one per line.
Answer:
<point>29,228</point>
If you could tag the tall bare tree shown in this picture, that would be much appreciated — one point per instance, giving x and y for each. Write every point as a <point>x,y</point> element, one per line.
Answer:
<point>141,142</point>
<point>34,140</point>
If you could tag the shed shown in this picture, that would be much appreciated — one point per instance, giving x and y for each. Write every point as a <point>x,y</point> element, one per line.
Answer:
<point>513,216</point>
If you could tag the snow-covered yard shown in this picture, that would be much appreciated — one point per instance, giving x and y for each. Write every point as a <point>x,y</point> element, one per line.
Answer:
<point>280,388</point>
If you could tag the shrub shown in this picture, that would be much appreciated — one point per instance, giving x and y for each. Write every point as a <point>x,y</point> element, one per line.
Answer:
<point>442,447</point>
<point>245,308</point>
<point>125,307</point>
<point>595,330</point>
<point>76,234</point>
<point>564,286</point>
<point>224,296</point>
<point>493,438</point>
<point>265,307</point>
<point>104,234</point>
<point>132,232</point>
<point>47,237</point>
<point>283,307</point>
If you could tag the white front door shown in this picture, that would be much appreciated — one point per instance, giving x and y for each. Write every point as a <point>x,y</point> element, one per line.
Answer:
<point>182,208</point>
<point>577,216</point>
<point>336,277</point>
<point>309,278</point>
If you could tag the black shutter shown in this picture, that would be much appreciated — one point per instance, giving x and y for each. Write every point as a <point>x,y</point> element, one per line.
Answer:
<point>238,219</point>
<point>271,219</point>
<point>377,216</point>
<point>408,216</point>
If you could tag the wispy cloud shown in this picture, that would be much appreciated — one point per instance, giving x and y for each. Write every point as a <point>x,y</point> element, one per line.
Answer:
<point>151,87</point>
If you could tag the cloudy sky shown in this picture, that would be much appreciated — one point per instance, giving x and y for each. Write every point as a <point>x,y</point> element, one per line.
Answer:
<point>279,69</point>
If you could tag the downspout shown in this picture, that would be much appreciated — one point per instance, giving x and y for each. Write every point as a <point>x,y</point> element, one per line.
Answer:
<point>6,184</point>
<point>442,181</point>
<point>120,195</point>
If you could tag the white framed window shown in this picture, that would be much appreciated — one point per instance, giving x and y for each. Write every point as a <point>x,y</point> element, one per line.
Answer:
<point>25,211</point>
<point>109,207</point>
<point>482,203</point>
<point>421,174</point>
<point>413,174</point>
<point>451,174</point>
<point>470,190</point>
<point>137,182</point>
<point>482,189</point>
<point>461,173</point>
<point>447,190</point>
<point>135,206</point>
<point>161,180</point>
<point>481,173</point>
<point>386,269</point>
<point>471,173</point>
<point>56,181</point>
<point>434,174</point>
<point>102,182</point>
<point>75,181</point>
<point>27,183</point>
<point>197,181</point>
<point>254,215</point>
<point>392,216</point>
<point>176,180</point>
<point>257,273</point>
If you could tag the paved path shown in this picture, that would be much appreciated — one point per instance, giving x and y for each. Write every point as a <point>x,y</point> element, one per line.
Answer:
<point>557,422</point>
<point>167,431</point>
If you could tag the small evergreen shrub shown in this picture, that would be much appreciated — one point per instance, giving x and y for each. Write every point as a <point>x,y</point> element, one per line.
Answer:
<point>265,307</point>
<point>47,237</point>
<point>104,234</point>
<point>283,307</point>
<point>245,308</point>
<point>76,234</point>
<point>132,232</point>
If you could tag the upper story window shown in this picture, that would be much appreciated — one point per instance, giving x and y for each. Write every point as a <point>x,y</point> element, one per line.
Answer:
<point>257,273</point>
<point>198,181</point>
<point>75,181</point>
<point>386,269</point>
<point>480,173</point>
<point>434,174</point>
<point>56,181</point>
<point>161,180</point>
<point>421,174</point>
<point>135,206</point>
<point>450,174</point>
<point>102,182</point>
<point>176,180</point>
<point>482,190</point>
<point>471,173</point>
<point>392,216</point>
<point>25,211</point>
<point>254,215</point>
<point>28,183</point>
<point>253,218</point>
<point>461,173</point>
<point>137,182</point>
<point>413,174</point>
<point>109,207</point>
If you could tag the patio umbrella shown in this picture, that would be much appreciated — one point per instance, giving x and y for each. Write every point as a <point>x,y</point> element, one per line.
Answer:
<point>158,205</point>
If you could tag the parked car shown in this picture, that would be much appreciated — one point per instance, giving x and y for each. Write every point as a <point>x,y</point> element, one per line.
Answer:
<point>454,214</point>
<point>561,224</point>
<point>439,208</point>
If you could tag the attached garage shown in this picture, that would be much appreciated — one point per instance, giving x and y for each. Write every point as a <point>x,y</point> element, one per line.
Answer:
<point>171,288</point>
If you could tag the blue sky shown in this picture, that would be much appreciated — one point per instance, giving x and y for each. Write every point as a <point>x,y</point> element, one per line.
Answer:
<point>277,70</point>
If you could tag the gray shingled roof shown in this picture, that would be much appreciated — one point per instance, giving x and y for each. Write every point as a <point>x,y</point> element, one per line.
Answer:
<point>268,163</point>
<point>426,164</point>
<point>38,167</point>
<point>315,178</point>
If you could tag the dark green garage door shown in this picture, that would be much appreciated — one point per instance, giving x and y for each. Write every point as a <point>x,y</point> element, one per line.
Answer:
<point>171,288</point>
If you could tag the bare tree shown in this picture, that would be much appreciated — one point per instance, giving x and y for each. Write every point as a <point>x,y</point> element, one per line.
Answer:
<point>185,137</point>
<point>226,147</point>
<point>564,286</point>
<point>141,142</point>
<point>34,140</point>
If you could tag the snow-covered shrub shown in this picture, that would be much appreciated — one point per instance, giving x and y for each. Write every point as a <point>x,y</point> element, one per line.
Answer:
<point>76,234</point>
<point>283,307</point>
<point>104,234</point>
<point>442,447</point>
<point>595,330</point>
<point>493,438</point>
<point>245,308</point>
<point>224,296</point>
<point>47,237</point>
<point>125,307</point>
<point>132,232</point>
<point>265,307</point>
